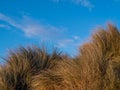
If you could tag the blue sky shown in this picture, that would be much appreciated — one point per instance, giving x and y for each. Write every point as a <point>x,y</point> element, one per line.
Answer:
<point>64,24</point>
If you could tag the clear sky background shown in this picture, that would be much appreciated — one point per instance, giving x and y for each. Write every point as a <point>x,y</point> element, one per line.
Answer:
<point>64,24</point>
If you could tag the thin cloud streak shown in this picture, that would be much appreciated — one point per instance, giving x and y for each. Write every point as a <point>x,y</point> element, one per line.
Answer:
<point>84,3</point>
<point>31,28</point>
<point>44,32</point>
<point>4,26</point>
<point>74,41</point>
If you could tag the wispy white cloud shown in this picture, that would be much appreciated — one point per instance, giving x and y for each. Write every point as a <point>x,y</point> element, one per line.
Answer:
<point>73,41</point>
<point>4,26</point>
<point>7,20</point>
<point>64,42</point>
<point>76,37</point>
<point>31,28</point>
<point>57,1</point>
<point>69,45</point>
<point>84,3</point>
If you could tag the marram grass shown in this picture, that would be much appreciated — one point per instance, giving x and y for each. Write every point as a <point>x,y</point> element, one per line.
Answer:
<point>96,67</point>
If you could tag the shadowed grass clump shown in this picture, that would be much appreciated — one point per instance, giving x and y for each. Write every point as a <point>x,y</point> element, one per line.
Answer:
<point>96,67</point>
<point>21,65</point>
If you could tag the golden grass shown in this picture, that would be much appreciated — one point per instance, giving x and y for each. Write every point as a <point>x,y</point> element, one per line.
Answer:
<point>96,67</point>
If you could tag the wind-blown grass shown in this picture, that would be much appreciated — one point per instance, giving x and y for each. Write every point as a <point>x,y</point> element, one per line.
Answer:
<point>96,67</point>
